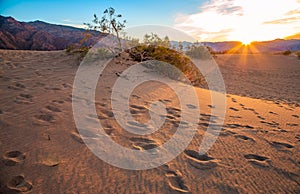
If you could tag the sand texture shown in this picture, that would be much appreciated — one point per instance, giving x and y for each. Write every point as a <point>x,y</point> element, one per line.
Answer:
<point>41,151</point>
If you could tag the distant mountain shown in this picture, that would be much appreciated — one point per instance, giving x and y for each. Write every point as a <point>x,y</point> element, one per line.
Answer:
<point>39,35</point>
<point>277,45</point>
<point>222,46</point>
<point>216,46</point>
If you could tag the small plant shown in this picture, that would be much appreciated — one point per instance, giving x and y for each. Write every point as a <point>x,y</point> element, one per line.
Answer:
<point>298,54</point>
<point>155,40</point>
<point>199,52</point>
<point>69,49</point>
<point>164,54</point>
<point>83,51</point>
<point>109,23</point>
<point>287,52</point>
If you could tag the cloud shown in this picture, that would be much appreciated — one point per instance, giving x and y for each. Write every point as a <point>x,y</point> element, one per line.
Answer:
<point>244,20</point>
<point>223,7</point>
<point>284,20</point>
<point>67,20</point>
<point>76,24</point>
<point>293,12</point>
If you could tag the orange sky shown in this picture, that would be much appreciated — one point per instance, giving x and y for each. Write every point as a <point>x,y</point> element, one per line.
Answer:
<point>242,20</point>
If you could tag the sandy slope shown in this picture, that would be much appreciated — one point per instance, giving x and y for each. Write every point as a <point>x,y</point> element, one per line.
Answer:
<point>41,151</point>
<point>271,77</point>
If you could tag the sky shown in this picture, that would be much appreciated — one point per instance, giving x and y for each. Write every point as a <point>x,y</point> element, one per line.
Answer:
<point>204,20</point>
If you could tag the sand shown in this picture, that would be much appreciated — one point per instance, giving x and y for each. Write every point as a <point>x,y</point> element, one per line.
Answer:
<point>41,150</point>
<point>264,76</point>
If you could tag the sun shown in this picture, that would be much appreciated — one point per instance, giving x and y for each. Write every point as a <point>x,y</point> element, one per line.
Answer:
<point>246,37</point>
<point>246,41</point>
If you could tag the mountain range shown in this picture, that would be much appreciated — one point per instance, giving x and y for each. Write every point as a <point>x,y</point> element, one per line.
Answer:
<point>39,35</point>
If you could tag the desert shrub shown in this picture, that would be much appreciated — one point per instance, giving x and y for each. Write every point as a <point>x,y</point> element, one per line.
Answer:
<point>164,54</point>
<point>110,23</point>
<point>104,53</point>
<point>154,40</point>
<point>287,52</point>
<point>298,54</point>
<point>70,49</point>
<point>165,69</point>
<point>199,52</point>
<point>81,51</point>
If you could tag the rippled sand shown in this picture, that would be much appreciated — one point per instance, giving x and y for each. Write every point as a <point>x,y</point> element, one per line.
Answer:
<point>257,150</point>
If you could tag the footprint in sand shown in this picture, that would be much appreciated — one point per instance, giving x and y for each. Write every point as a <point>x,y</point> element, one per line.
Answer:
<point>250,109</point>
<point>165,100</point>
<point>109,130</point>
<point>297,137</point>
<point>226,132</point>
<point>174,112</point>
<point>58,101</point>
<point>242,105</point>
<point>296,116</point>
<point>190,106</point>
<point>136,109</point>
<point>260,117</point>
<point>77,137</point>
<point>28,96</point>
<point>13,158</point>
<point>141,143</point>
<point>281,144</point>
<point>137,126</point>
<point>235,117</point>
<point>23,99</point>
<point>234,109</point>
<point>101,104</point>
<point>208,117</point>
<point>107,113</point>
<point>135,96</point>
<point>17,86</point>
<point>173,122</point>
<point>244,137</point>
<point>53,108</point>
<point>258,160</point>
<point>203,162</point>
<point>175,180</point>
<point>19,184</point>
<point>204,124</point>
<point>271,124</point>
<point>234,126</point>
<point>46,117</point>
<point>273,113</point>
<point>292,124</point>
<point>66,85</point>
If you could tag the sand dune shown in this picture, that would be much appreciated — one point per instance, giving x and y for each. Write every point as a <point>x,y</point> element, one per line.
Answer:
<point>41,151</point>
<point>264,76</point>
